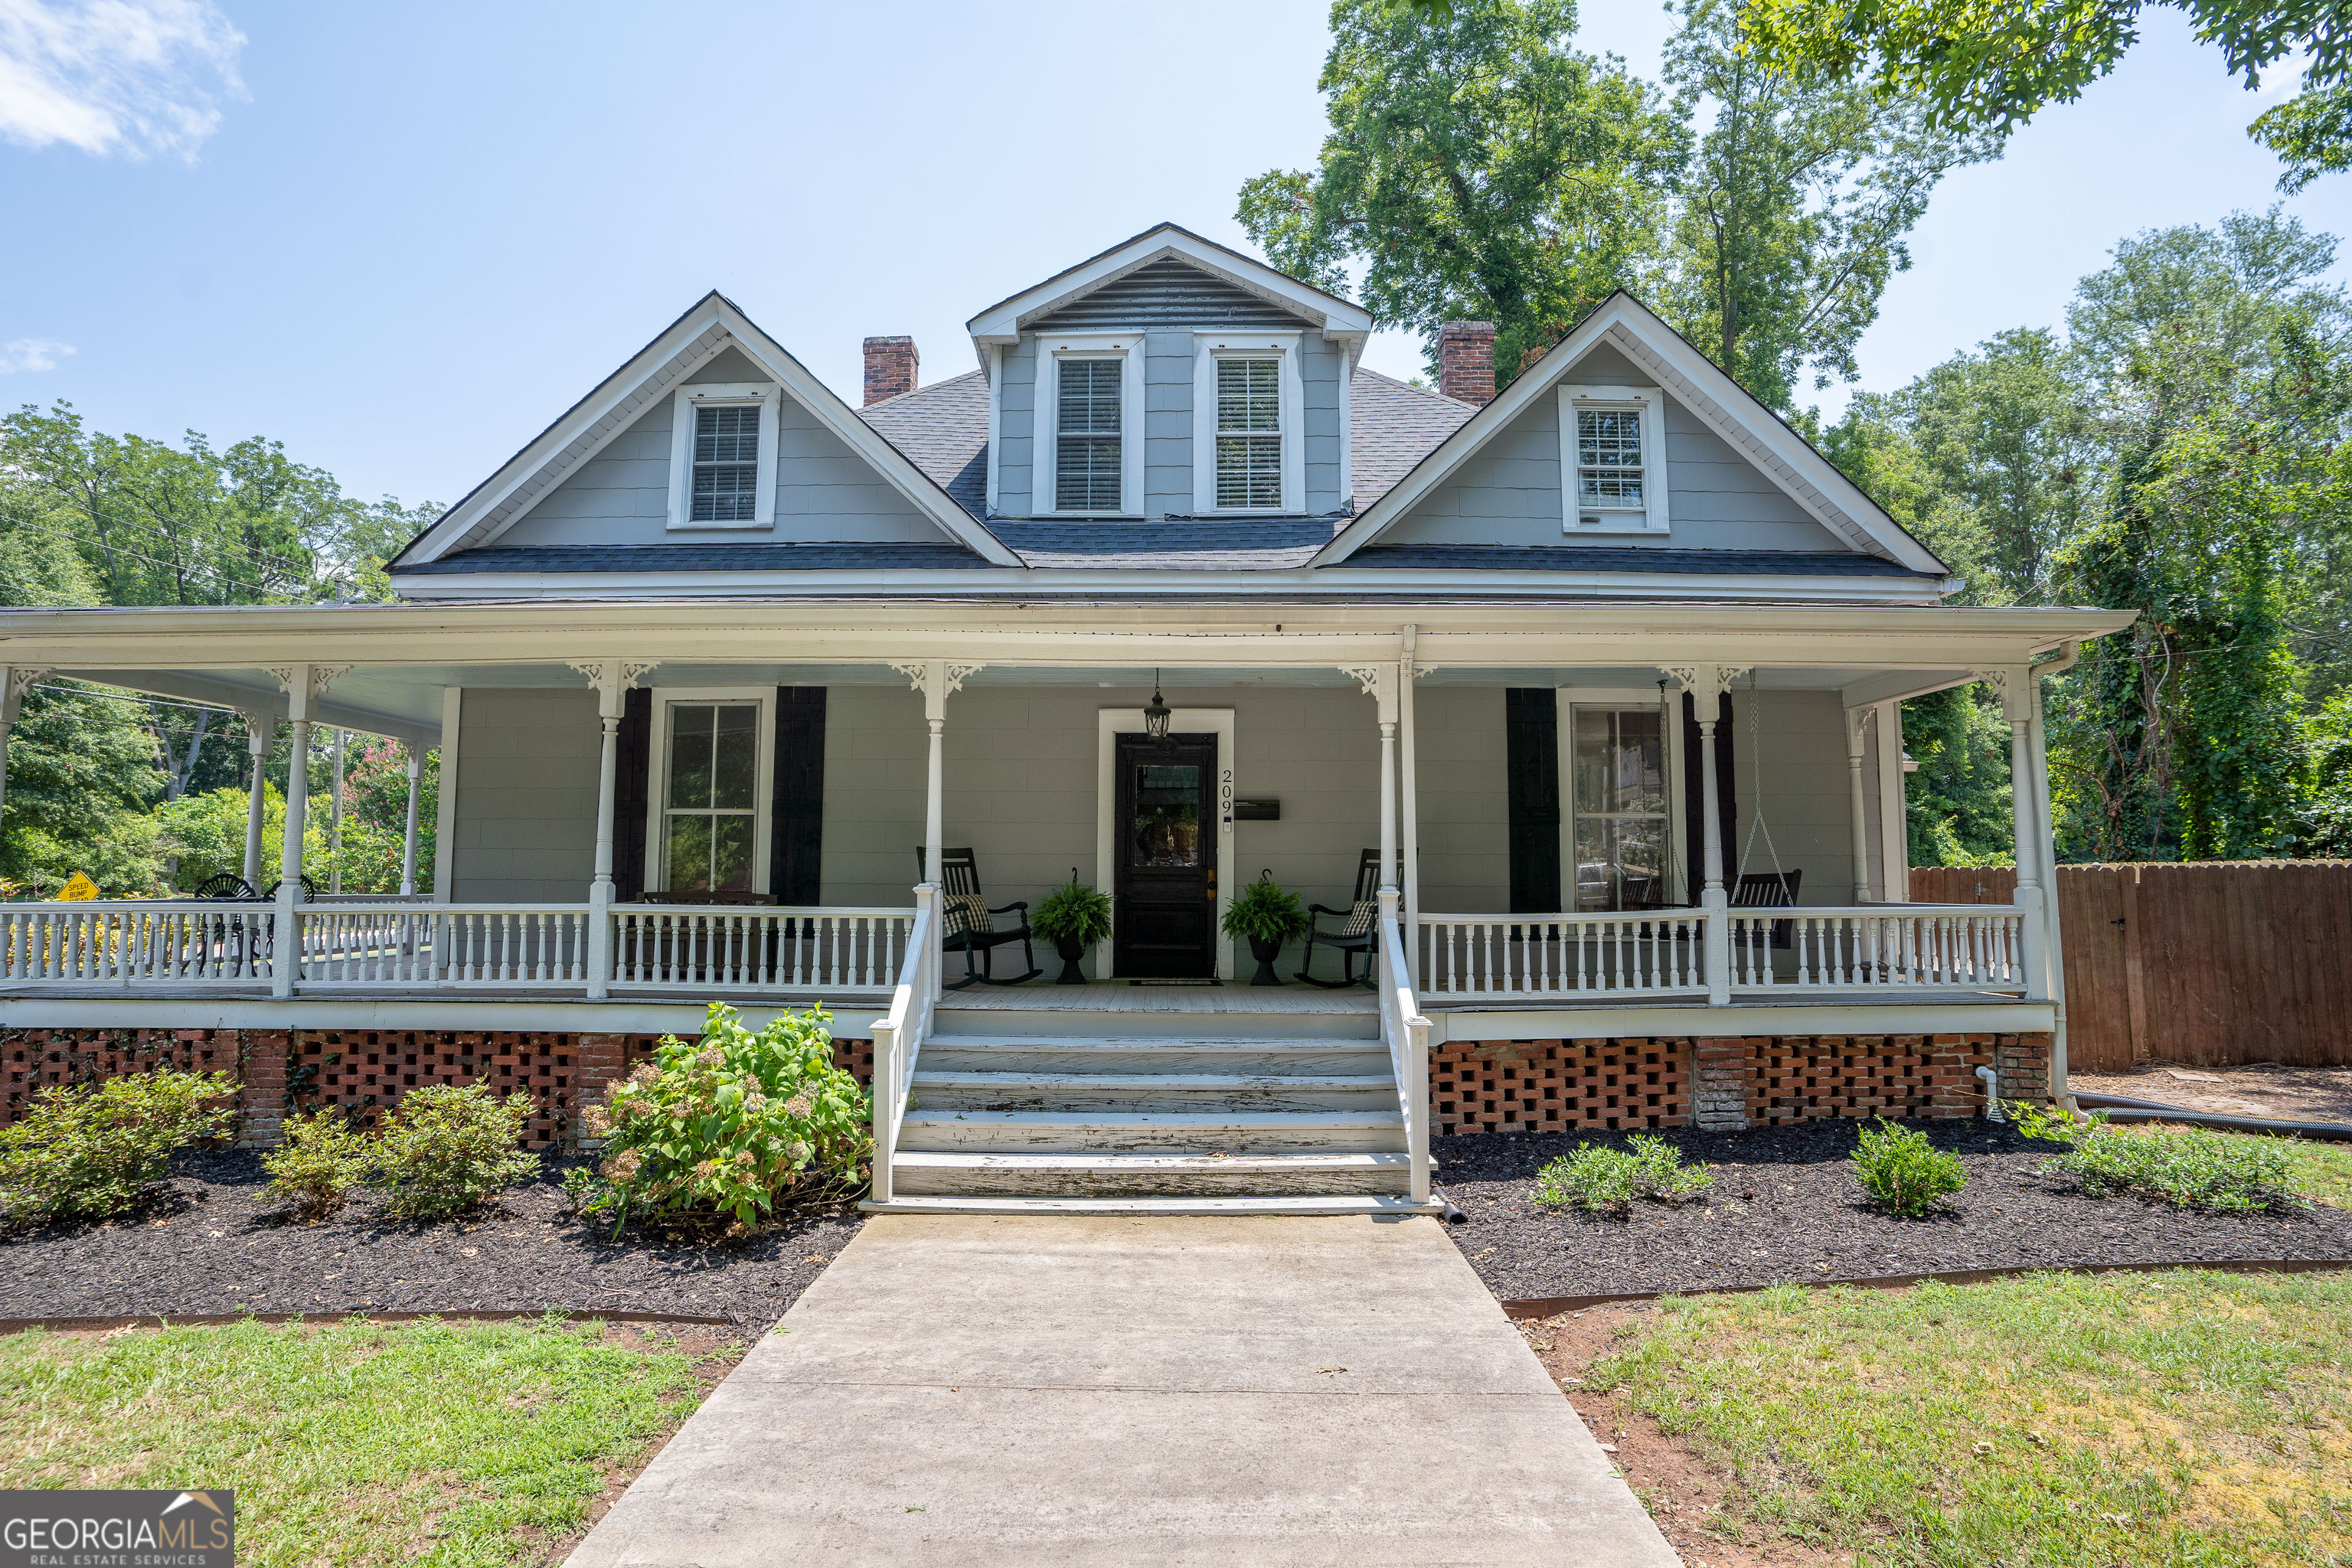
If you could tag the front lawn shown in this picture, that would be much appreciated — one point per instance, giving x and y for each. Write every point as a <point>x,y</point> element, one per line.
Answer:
<point>2186,1417</point>
<point>356,1443</point>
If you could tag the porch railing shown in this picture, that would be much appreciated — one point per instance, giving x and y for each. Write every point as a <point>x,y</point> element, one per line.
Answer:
<point>1976,947</point>
<point>135,942</point>
<point>899,1036</point>
<point>1406,1034</point>
<point>1563,955</point>
<point>759,949</point>
<point>398,943</point>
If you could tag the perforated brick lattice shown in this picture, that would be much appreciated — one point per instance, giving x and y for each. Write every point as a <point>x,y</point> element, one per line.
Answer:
<point>1807,1079</point>
<point>34,1059</point>
<point>1547,1086</point>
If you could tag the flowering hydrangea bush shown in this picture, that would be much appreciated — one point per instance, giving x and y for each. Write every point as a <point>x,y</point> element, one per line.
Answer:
<point>723,1125</point>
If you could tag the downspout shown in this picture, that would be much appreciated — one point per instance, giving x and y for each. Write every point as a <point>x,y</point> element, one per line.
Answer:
<point>2070,654</point>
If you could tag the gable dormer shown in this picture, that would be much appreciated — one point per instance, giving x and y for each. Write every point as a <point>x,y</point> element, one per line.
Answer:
<point>1169,377</point>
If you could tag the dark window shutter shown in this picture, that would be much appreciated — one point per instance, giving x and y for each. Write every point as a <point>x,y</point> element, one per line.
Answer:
<point>796,835</point>
<point>1693,800</point>
<point>1531,762</point>
<point>633,756</point>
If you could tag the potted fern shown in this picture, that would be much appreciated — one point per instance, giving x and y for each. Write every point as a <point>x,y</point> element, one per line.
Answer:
<point>1072,918</point>
<point>1269,914</point>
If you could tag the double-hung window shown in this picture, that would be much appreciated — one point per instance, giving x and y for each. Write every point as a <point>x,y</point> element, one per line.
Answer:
<point>1089,426</point>
<point>1612,459</point>
<point>1620,836</point>
<point>712,780</point>
<point>1089,456</point>
<point>723,456</point>
<point>1248,451</point>
<point>1249,434</point>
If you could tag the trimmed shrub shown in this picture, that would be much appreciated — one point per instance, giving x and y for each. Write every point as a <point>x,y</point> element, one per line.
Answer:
<point>323,1159</point>
<point>1903,1172</point>
<point>718,1129</point>
<point>1606,1181</point>
<point>2195,1168</point>
<point>89,1152</point>
<point>445,1149</point>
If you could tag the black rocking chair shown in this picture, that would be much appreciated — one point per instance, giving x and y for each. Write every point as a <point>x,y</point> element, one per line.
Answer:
<point>970,925</point>
<point>1360,934</point>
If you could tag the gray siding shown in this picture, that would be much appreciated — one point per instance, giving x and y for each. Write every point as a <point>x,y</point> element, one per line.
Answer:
<point>1016,428</point>
<point>824,492</point>
<point>1808,801</point>
<point>526,819</point>
<point>1459,770</point>
<point>1509,492</point>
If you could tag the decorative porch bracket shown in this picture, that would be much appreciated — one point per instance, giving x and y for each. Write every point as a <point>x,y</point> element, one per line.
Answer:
<point>1706,684</point>
<point>936,679</point>
<point>614,679</point>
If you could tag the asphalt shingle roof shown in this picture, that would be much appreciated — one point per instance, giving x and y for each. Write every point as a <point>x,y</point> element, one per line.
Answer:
<point>849,555</point>
<point>1626,558</point>
<point>1396,425</point>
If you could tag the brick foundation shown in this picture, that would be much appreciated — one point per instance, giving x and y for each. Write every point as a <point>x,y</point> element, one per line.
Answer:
<point>367,1071</point>
<point>1720,1085</point>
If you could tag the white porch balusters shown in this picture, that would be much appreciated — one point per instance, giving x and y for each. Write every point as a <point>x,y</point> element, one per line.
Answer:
<point>304,685</point>
<point>1857,743</point>
<point>1706,683</point>
<point>613,679</point>
<point>14,682</point>
<point>2016,686</point>
<point>408,833</point>
<point>260,729</point>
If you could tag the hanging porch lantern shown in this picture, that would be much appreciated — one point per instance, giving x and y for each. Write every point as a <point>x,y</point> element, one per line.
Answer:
<point>1157,713</point>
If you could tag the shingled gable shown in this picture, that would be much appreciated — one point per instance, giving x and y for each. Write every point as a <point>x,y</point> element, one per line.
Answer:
<point>711,326</point>
<point>1696,382</point>
<point>1002,322</point>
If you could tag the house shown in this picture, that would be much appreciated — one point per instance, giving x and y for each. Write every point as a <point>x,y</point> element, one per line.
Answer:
<point>1579,702</point>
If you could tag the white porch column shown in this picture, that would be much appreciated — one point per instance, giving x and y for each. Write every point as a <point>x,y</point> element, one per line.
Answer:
<point>1894,820</point>
<point>1408,806</point>
<point>2052,931</point>
<point>335,818</point>
<point>2016,686</point>
<point>15,682</point>
<point>1706,683</point>
<point>1379,683</point>
<point>304,685</point>
<point>612,679</point>
<point>408,833</point>
<point>1857,743</point>
<point>936,679</point>
<point>260,729</point>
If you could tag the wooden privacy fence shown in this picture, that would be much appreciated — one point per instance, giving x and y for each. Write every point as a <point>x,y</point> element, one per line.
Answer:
<point>2213,963</point>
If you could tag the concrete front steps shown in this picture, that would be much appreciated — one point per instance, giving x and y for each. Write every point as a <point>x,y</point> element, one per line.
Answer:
<point>1103,1112</point>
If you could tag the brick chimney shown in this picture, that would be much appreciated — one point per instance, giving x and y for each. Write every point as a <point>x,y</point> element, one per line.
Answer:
<point>1465,361</point>
<point>891,363</point>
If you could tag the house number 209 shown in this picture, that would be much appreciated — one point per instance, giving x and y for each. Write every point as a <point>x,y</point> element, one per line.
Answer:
<point>1225,798</point>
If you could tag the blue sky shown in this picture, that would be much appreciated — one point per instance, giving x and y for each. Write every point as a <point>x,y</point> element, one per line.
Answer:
<point>401,239</point>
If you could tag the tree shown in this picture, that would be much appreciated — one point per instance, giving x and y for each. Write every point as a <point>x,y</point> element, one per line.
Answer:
<point>1477,167</point>
<point>1994,64</point>
<point>1793,208</point>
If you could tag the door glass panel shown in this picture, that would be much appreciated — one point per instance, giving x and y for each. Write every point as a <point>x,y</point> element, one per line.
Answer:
<point>1166,826</point>
<point>1617,858</point>
<point>1621,761</point>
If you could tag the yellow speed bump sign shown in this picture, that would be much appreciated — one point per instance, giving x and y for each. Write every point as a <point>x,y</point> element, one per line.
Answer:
<point>78,889</point>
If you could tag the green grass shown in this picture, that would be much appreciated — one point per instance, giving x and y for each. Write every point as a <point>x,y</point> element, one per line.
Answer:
<point>2183,1418</point>
<point>356,1443</point>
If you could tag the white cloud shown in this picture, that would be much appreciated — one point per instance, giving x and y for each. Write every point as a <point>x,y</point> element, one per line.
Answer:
<point>32,353</point>
<point>2284,78</point>
<point>132,77</point>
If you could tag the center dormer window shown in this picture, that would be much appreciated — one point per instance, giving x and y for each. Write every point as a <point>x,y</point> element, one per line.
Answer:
<point>723,455</point>
<point>1249,434</point>
<point>1248,438</point>
<point>1088,459</point>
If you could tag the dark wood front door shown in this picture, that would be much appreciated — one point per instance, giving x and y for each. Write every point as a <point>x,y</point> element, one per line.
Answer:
<point>1165,880</point>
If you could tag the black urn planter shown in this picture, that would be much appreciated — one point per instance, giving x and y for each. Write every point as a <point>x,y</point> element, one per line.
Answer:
<point>1072,950</point>
<point>1265,952</point>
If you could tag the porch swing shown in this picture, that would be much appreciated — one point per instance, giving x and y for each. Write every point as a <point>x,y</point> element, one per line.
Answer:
<point>1776,889</point>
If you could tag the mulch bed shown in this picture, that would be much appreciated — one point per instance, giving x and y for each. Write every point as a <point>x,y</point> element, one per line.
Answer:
<point>209,1242</point>
<point>1785,1207</point>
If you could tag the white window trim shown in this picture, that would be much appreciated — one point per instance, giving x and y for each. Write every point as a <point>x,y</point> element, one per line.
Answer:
<point>1567,699</point>
<point>1045,463</point>
<point>763,791</point>
<point>1207,347</point>
<point>1651,518</point>
<point>681,449</point>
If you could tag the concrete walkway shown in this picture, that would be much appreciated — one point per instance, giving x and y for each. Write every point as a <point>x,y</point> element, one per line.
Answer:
<point>970,1389</point>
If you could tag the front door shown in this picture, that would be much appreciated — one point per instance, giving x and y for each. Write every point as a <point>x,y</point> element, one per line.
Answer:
<point>1165,881</point>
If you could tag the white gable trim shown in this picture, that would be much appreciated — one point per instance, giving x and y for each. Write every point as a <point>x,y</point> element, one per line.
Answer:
<point>1691,379</point>
<point>1002,322</point>
<point>713,325</point>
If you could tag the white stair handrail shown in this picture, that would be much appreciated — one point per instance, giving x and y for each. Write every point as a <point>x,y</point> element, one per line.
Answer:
<point>900,1033</point>
<point>1406,1033</point>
